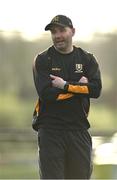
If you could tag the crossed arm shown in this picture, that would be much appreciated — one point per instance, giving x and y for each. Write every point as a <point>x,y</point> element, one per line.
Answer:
<point>60,83</point>
<point>51,88</point>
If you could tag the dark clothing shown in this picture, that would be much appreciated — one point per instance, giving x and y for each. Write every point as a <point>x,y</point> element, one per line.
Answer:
<point>64,143</point>
<point>65,154</point>
<point>68,108</point>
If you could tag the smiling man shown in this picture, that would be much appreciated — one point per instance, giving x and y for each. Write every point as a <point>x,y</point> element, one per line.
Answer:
<point>65,77</point>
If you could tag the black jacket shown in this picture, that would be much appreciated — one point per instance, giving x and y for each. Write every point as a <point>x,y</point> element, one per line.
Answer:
<point>66,108</point>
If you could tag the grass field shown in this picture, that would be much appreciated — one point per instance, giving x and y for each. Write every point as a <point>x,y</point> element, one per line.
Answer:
<point>18,171</point>
<point>18,160</point>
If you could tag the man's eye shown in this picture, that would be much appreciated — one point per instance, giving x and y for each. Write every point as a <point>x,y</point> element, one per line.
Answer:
<point>62,30</point>
<point>53,32</point>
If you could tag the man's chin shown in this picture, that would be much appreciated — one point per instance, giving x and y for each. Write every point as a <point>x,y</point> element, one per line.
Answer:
<point>60,46</point>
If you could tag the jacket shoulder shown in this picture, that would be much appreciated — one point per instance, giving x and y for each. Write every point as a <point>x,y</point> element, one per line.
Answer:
<point>85,55</point>
<point>43,59</point>
<point>43,56</point>
<point>84,52</point>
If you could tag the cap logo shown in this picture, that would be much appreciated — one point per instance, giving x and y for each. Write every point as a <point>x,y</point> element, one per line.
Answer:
<point>55,19</point>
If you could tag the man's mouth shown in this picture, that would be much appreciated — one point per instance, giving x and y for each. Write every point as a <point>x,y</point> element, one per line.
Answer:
<point>59,42</point>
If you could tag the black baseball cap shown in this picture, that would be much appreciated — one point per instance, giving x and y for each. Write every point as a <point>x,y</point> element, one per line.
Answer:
<point>60,20</point>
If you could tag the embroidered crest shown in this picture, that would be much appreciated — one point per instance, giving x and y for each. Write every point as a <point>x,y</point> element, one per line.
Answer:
<point>79,68</point>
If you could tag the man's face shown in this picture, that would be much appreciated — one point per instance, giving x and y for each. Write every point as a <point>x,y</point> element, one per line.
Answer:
<point>62,37</point>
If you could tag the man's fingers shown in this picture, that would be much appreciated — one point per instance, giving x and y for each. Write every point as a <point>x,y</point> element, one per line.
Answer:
<point>83,80</point>
<point>52,76</point>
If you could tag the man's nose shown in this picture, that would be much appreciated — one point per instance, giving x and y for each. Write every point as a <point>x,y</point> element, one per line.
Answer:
<point>58,34</point>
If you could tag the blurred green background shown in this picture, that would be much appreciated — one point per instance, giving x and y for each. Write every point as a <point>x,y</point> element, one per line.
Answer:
<point>22,36</point>
<point>18,142</point>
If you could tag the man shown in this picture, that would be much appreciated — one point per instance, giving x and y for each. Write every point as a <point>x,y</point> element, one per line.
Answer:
<point>65,77</point>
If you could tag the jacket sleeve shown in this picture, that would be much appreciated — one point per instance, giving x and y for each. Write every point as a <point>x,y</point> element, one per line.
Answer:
<point>42,81</point>
<point>91,89</point>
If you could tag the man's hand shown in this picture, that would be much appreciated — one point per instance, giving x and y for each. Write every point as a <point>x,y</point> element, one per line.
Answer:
<point>57,81</point>
<point>83,79</point>
<point>60,83</point>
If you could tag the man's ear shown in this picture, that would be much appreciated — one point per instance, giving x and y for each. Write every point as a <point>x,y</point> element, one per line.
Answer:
<point>73,31</point>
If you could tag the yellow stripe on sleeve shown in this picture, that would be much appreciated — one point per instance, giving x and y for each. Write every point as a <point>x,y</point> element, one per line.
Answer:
<point>78,89</point>
<point>37,107</point>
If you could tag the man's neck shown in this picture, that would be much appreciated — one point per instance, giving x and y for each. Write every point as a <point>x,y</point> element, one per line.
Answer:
<point>67,51</point>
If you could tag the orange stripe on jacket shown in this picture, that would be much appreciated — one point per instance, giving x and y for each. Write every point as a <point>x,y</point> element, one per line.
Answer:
<point>37,107</point>
<point>78,89</point>
<point>64,96</point>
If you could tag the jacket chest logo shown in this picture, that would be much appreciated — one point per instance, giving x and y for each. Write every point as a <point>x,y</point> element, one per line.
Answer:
<point>78,68</point>
<point>56,69</point>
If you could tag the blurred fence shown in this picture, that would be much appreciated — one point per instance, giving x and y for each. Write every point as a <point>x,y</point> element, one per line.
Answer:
<point>19,156</point>
<point>28,135</point>
<point>17,135</point>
